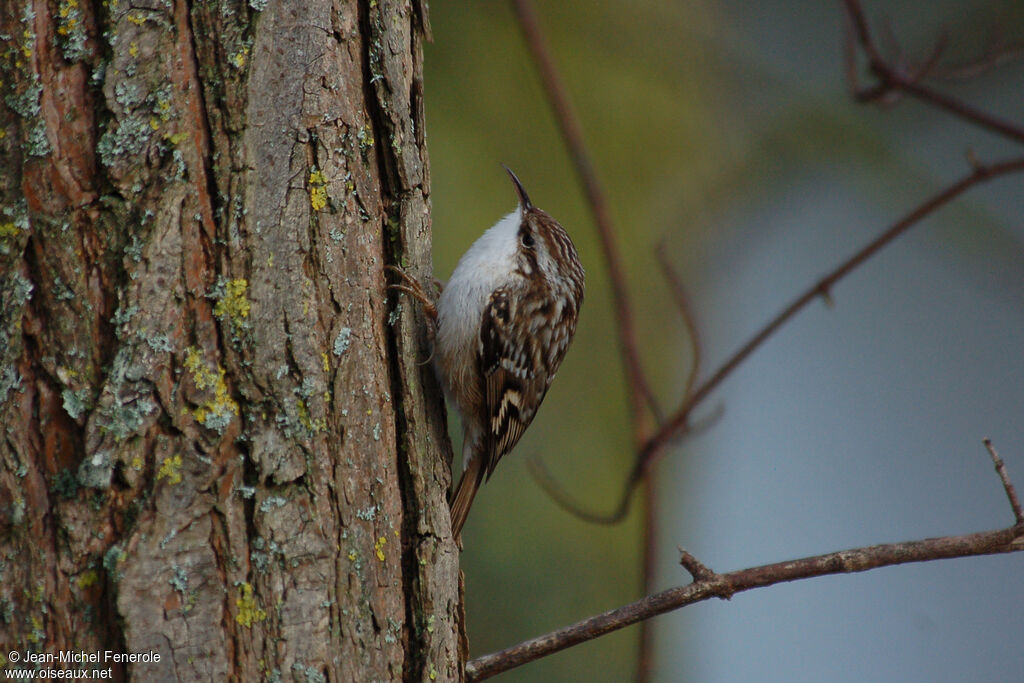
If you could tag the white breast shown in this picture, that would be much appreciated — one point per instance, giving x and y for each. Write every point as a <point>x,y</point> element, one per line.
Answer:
<point>485,266</point>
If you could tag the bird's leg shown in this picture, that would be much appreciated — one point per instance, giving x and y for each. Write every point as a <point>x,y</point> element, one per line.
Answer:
<point>415,289</point>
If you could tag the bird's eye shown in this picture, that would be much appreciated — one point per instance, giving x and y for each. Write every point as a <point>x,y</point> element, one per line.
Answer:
<point>527,240</point>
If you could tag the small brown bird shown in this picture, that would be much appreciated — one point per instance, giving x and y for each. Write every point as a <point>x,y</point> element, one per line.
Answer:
<point>504,322</point>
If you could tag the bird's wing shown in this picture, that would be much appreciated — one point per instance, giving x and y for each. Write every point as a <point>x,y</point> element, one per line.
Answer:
<point>516,370</point>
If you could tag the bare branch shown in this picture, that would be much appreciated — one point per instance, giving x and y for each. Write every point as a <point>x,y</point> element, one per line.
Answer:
<point>683,305</point>
<point>994,58</point>
<point>892,79</point>
<point>639,390</point>
<point>698,570</point>
<point>725,585</point>
<point>677,422</point>
<point>709,584</point>
<point>546,480</point>
<point>1011,493</point>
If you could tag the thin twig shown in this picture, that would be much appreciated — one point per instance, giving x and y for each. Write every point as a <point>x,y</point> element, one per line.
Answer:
<point>709,584</point>
<point>725,585</point>
<point>892,79</point>
<point>1011,493</point>
<point>682,302</point>
<point>546,480</point>
<point>995,58</point>
<point>640,392</point>
<point>698,570</point>
<point>677,422</point>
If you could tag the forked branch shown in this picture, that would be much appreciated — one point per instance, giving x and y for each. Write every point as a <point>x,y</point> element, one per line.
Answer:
<point>678,422</point>
<point>892,78</point>
<point>708,584</point>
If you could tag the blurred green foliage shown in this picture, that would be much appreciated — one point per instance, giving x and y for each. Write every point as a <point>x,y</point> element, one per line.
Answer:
<point>689,108</point>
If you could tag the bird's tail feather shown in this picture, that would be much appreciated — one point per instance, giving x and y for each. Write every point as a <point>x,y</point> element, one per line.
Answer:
<point>466,490</point>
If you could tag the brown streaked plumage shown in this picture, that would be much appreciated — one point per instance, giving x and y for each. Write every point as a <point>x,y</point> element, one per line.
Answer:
<point>527,321</point>
<point>501,328</point>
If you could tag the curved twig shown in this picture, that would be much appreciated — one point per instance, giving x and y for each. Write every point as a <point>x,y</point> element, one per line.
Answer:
<point>891,79</point>
<point>640,392</point>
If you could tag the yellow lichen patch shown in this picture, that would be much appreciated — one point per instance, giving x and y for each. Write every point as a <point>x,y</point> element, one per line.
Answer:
<point>234,304</point>
<point>317,190</point>
<point>136,19</point>
<point>378,547</point>
<point>352,555</point>
<point>194,364</point>
<point>215,413</point>
<point>37,634</point>
<point>171,469</point>
<point>176,139</point>
<point>249,612</point>
<point>133,49</point>
<point>8,229</point>
<point>239,58</point>
<point>305,419</point>
<point>88,578</point>
<point>326,360</point>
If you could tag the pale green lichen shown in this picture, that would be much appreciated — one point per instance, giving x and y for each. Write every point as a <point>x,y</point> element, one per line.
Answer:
<point>122,419</point>
<point>142,114</point>
<point>76,403</point>
<point>10,380</point>
<point>122,316</point>
<point>37,143</point>
<point>127,137</point>
<point>112,560</point>
<point>310,673</point>
<point>179,582</point>
<point>158,342</point>
<point>71,31</point>
<point>342,341</point>
<point>272,502</point>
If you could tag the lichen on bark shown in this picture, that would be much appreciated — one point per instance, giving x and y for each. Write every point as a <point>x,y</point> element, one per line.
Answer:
<point>196,205</point>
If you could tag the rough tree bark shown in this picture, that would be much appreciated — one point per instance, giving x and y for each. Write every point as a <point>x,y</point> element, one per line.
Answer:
<point>218,441</point>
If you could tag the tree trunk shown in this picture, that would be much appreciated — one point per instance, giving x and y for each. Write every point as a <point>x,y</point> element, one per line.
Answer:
<point>219,444</point>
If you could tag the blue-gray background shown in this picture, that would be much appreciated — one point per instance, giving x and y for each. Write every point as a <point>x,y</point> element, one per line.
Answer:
<point>724,131</point>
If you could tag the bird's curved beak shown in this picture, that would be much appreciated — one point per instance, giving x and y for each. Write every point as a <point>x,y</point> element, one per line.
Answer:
<point>524,199</point>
